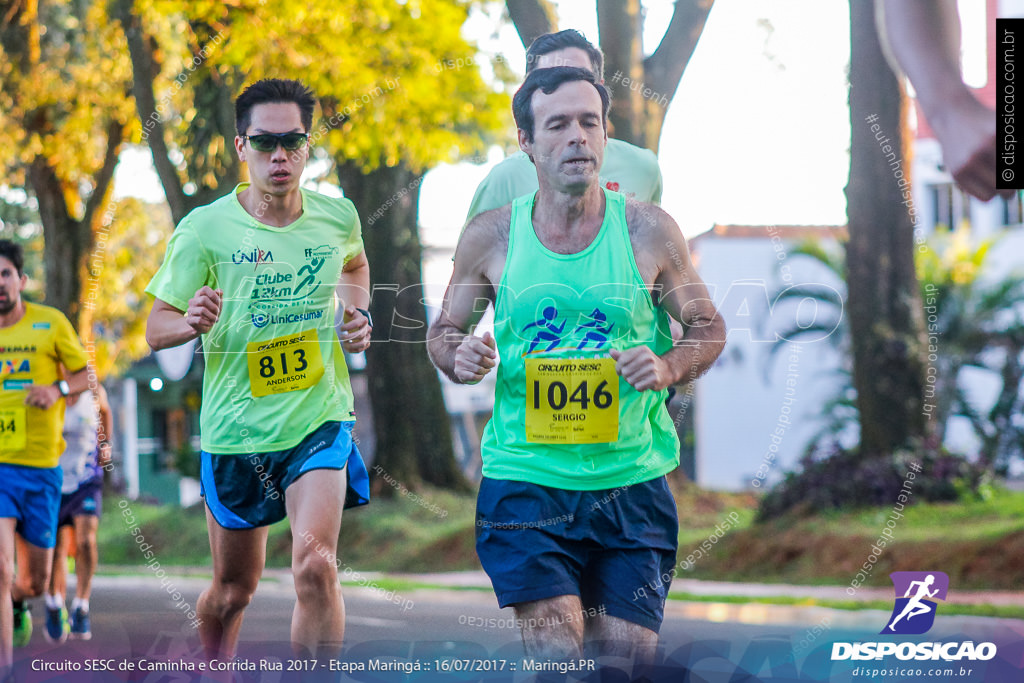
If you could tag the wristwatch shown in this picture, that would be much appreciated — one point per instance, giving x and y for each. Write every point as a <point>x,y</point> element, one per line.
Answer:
<point>62,387</point>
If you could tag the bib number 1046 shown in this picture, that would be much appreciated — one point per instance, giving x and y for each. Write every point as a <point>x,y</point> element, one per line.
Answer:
<point>558,395</point>
<point>571,400</point>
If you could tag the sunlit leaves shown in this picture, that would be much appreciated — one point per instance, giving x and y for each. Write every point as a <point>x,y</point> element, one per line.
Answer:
<point>398,80</point>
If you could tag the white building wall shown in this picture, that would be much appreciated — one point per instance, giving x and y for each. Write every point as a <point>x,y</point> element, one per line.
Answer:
<point>757,411</point>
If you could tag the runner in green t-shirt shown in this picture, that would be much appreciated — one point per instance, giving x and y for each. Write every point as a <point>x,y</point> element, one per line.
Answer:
<point>257,274</point>
<point>576,526</point>
<point>628,169</point>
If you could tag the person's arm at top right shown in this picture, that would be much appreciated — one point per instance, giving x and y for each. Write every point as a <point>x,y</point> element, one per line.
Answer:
<point>924,38</point>
<point>460,355</point>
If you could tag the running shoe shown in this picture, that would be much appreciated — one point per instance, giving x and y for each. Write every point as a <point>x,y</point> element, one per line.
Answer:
<point>22,626</point>
<point>56,624</point>
<point>80,626</point>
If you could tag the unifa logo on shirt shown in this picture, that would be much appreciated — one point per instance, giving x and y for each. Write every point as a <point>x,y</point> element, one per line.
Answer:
<point>255,256</point>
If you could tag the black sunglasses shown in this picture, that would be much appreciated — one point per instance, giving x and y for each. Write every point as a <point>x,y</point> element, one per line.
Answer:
<point>267,142</point>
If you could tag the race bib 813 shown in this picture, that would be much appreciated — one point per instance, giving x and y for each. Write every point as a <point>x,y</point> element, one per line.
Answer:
<point>283,364</point>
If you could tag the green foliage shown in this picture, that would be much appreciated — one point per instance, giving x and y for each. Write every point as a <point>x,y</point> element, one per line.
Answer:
<point>971,322</point>
<point>128,250</point>
<point>847,479</point>
<point>19,221</point>
<point>64,75</point>
<point>381,70</point>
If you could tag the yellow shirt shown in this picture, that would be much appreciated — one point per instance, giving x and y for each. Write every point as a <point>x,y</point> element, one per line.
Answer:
<point>31,352</point>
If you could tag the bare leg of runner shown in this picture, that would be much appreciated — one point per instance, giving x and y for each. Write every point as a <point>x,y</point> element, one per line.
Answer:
<point>314,503</point>
<point>86,553</point>
<point>238,558</point>
<point>6,586</point>
<point>607,635</point>
<point>59,566</point>
<point>552,628</point>
<point>33,569</point>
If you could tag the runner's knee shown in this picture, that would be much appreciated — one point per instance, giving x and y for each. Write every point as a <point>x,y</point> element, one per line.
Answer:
<point>233,595</point>
<point>315,577</point>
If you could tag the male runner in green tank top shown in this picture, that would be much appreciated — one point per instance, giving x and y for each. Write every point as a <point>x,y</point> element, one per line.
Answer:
<point>574,518</point>
<point>257,274</point>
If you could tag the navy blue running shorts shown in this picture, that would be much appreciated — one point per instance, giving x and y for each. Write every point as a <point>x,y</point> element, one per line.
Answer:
<point>86,500</point>
<point>614,548</point>
<point>247,490</point>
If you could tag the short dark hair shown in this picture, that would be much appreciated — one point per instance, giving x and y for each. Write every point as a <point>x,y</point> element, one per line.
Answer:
<point>273,90</point>
<point>553,42</point>
<point>548,81</point>
<point>13,252</point>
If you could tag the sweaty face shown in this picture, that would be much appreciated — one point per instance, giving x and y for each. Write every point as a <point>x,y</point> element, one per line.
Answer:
<point>278,172</point>
<point>11,285</point>
<point>569,136</point>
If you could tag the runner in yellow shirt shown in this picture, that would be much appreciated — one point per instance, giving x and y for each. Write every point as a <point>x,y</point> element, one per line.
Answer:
<point>36,342</point>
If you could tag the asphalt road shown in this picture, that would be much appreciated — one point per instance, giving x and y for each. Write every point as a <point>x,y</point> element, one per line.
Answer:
<point>142,632</point>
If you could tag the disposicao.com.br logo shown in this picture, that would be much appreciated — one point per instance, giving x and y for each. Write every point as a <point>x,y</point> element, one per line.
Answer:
<point>913,613</point>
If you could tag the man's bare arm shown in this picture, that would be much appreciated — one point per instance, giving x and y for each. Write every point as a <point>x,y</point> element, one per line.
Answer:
<point>461,356</point>
<point>684,296</point>
<point>924,37</point>
<point>353,289</point>
<point>168,326</point>
<point>106,429</point>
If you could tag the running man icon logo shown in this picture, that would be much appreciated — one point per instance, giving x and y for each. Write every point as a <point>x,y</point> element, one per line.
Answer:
<point>916,592</point>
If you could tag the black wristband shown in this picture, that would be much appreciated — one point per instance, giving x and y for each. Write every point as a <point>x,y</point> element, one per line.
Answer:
<point>366,314</point>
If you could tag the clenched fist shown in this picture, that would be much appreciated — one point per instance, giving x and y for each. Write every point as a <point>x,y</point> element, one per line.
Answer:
<point>475,357</point>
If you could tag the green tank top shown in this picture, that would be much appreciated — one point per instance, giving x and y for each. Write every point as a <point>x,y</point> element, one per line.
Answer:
<point>562,417</point>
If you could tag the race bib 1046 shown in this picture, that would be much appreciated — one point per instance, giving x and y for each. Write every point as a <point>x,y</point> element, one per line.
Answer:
<point>283,364</point>
<point>572,400</point>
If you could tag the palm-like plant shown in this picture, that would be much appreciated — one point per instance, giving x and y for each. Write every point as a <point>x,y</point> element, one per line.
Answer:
<point>971,322</point>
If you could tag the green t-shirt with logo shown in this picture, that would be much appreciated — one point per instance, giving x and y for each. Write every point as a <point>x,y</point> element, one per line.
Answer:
<point>628,169</point>
<point>274,367</point>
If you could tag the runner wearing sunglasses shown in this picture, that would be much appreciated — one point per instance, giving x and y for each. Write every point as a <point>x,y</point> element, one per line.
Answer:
<point>257,274</point>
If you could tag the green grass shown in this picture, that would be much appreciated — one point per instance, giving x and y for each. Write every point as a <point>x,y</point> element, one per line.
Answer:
<point>975,541</point>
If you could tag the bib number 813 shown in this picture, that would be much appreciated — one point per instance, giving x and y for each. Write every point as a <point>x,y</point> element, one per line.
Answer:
<point>268,369</point>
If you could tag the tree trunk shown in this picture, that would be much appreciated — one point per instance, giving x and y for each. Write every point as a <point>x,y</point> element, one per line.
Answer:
<point>411,423</point>
<point>621,27</point>
<point>532,18</point>
<point>640,104</point>
<point>884,299</point>
<point>145,69</point>
<point>65,240</point>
